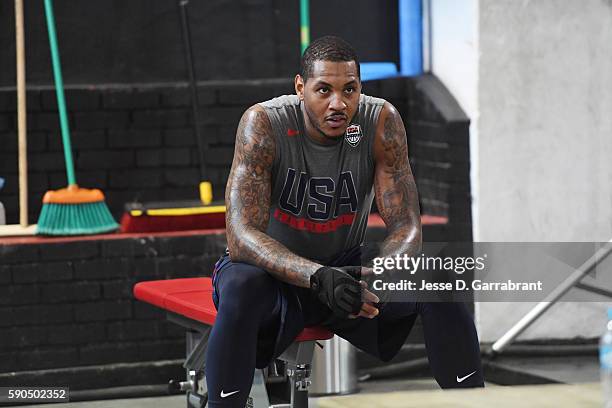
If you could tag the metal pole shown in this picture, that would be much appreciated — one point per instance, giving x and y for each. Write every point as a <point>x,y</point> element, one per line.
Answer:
<point>554,296</point>
<point>192,84</point>
<point>427,39</point>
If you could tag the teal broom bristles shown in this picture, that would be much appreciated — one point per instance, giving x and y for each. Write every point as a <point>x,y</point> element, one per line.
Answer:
<point>75,219</point>
<point>70,211</point>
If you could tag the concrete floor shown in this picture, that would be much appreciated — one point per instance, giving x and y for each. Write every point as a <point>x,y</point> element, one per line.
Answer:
<point>579,375</point>
<point>414,393</point>
<point>178,401</point>
<point>566,370</point>
<point>587,395</point>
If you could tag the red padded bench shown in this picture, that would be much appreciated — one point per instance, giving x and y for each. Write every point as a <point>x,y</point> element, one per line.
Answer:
<point>189,303</point>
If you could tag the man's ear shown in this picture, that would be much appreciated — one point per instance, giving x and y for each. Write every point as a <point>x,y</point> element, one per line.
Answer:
<point>299,86</point>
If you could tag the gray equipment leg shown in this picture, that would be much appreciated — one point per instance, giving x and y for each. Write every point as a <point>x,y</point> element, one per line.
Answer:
<point>258,398</point>
<point>550,300</point>
<point>195,362</point>
<point>196,401</point>
<point>300,381</point>
<point>298,357</point>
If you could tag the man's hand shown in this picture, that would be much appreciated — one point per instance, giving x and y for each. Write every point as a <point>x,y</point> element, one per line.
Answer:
<point>354,271</point>
<point>338,290</point>
<point>368,308</point>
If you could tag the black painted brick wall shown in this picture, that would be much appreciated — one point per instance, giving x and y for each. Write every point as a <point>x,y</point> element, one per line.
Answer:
<point>438,146</point>
<point>140,40</point>
<point>71,304</point>
<point>136,142</point>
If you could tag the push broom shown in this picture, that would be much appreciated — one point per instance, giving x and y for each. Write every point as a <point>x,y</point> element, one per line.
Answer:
<point>184,214</point>
<point>71,210</point>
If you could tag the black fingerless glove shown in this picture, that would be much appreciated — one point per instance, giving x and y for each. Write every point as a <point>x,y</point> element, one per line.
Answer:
<point>354,271</point>
<point>337,289</point>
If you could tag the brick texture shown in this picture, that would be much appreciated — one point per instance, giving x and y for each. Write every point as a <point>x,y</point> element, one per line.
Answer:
<point>75,299</point>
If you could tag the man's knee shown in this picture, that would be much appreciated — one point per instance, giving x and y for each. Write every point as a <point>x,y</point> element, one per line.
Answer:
<point>246,287</point>
<point>245,278</point>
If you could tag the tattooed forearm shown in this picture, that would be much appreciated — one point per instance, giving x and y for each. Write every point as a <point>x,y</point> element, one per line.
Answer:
<point>396,194</point>
<point>247,198</point>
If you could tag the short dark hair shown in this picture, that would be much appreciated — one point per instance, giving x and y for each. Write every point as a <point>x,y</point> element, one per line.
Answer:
<point>328,48</point>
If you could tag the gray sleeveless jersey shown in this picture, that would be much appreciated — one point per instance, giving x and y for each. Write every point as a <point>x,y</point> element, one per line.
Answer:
<point>321,194</point>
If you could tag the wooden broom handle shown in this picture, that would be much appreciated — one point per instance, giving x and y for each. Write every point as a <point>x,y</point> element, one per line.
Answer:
<point>21,115</point>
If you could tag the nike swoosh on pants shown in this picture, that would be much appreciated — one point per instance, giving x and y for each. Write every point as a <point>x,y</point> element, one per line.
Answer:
<point>223,394</point>
<point>460,380</point>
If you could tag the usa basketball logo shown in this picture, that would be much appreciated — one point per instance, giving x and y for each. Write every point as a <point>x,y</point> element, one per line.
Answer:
<point>353,135</point>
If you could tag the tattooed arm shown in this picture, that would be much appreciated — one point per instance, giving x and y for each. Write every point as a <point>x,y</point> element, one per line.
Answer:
<point>247,198</point>
<point>396,194</point>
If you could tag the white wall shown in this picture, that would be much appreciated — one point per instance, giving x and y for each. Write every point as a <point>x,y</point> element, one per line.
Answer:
<point>454,49</point>
<point>454,57</point>
<point>535,77</point>
<point>545,129</point>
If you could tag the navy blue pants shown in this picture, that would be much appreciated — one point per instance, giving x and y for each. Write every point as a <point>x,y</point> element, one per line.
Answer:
<point>259,316</point>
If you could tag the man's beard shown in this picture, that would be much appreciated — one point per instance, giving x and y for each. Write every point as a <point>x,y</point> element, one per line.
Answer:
<point>315,124</point>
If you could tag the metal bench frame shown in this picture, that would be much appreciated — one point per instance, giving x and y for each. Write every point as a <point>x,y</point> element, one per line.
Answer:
<point>297,357</point>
